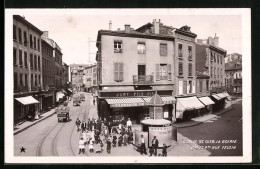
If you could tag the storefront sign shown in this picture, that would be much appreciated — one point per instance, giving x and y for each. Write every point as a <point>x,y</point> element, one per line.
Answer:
<point>163,135</point>
<point>134,93</point>
<point>127,104</point>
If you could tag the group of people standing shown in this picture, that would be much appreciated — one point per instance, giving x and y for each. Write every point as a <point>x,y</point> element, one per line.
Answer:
<point>96,132</point>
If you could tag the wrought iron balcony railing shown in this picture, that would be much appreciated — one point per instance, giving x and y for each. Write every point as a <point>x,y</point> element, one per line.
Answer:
<point>143,79</point>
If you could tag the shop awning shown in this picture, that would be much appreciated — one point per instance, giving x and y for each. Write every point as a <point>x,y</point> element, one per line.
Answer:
<point>126,102</point>
<point>206,101</point>
<point>221,95</point>
<point>165,99</point>
<point>59,95</point>
<point>216,97</point>
<point>187,103</point>
<point>27,100</point>
<point>190,103</point>
<point>226,94</point>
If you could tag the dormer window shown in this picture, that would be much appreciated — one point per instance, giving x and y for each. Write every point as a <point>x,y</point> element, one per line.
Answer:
<point>118,46</point>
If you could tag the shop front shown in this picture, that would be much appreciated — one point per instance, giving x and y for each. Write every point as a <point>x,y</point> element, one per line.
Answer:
<point>25,107</point>
<point>47,101</point>
<point>220,101</point>
<point>188,108</point>
<point>208,105</point>
<point>130,104</point>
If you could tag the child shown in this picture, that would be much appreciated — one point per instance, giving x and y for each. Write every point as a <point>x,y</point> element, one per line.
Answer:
<point>151,151</point>
<point>81,146</point>
<point>164,150</point>
<point>98,147</point>
<point>91,147</point>
<point>108,146</point>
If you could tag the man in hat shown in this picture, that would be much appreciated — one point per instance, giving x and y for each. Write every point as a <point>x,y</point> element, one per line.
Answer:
<point>155,144</point>
<point>142,142</point>
<point>78,124</point>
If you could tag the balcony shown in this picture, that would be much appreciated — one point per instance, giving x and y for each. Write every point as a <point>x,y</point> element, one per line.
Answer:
<point>143,79</point>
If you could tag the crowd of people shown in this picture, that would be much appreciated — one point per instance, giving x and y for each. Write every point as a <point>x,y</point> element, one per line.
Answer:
<point>95,134</point>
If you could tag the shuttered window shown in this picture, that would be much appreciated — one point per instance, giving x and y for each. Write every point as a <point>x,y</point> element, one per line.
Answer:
<point>35,62</point>
<point>118,72</point>
<point>31,60</point>
<point>184,87</point>
<point>20,57</point>
<point>190,52</point>
<point>169,69</point>
<point>180,68</point>
<point>163,49</point>
<point>14,57</point>
<point>190,69</point>
<point>180,50</point>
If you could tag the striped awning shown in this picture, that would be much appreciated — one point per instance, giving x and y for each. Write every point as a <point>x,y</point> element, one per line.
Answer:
<point>126,102</point>
<point>206,101</point>
<point>216,97</point>
<point>27,100</point>
<point>165,99</point>
<point>221,95</point>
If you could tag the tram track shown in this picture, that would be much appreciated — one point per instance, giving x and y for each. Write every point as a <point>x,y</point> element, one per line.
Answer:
<point>55,132</point>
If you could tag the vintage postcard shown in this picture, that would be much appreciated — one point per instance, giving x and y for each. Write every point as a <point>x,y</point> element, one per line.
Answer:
<point>128,86</point>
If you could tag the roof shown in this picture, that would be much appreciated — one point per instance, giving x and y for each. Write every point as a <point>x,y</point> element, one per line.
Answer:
<point>132,33</point>
<point>218,49</point>
<point>156,122</point>
<point>187,33</point>
<point>148,25</point>
<point>28,24</point>
<point>78,65</point>
<point>233,65</point>
<point>156,100</point>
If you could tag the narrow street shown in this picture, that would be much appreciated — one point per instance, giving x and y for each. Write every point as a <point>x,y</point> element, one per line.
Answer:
<point>50,138</point>
<point>227,127</point>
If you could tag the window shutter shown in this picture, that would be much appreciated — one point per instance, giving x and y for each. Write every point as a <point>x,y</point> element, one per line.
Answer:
<point>121,72</point>
<point>116,72</point>
<point>193,86</point>
<point>157,72</point>
<point>184,87</point>
<point>169,72</point>
<point>180,69</point>
<point>180,87</point>
<point>190,69</point>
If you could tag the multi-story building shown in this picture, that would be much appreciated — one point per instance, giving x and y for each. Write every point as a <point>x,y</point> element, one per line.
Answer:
<point>210,61</point>
<point>27,61</point>
<point>48,72</point>
<point>233,72</point>
<point>90,78</point>
<point>77,76</point>
<point>65,75</point>
<point>132,65</point>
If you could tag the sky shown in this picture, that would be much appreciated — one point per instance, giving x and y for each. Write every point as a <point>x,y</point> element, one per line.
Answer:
<point>77,34</point>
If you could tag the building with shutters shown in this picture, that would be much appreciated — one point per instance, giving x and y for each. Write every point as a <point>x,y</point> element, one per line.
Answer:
<point>233,71</point>
<point>131,66</point>
<point>90,78</point>
<point>27,68</point>
<point>78,76</point>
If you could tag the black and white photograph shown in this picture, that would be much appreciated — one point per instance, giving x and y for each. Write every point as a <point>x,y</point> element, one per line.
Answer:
<point>128,85</point>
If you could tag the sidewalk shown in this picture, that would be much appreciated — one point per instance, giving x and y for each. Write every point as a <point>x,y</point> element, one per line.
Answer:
<point>26,124</point>
<point>209,117</point>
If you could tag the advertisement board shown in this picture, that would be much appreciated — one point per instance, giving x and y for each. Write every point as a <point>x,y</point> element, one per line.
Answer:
<point>163,135</point>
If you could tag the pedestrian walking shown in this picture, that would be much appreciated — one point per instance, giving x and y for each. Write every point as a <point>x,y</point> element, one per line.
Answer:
<point>120,140</point>
<point>88,137</point>
<point>109,126</point>
<point>98,147</point>
<point>142,142</point>
<point>106,133</point>
<point>130,137</point>
<point>81,146</point>
<point>125,139</point>
<point>84,136</point>
<point>129,124</point>
<point>155,144</point>
<point>89,124</point>
<point>114,140</point>
<point>151,151</point>
<point>92,135</point>
<point>78,124</point>
<point>83,126</point>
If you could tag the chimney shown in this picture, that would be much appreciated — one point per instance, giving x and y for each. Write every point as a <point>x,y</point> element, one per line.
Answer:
<point>127,28</point>
<point>156,27</point>
<point>45,34</point>
<point>216,40</point>
<point>110,25</point>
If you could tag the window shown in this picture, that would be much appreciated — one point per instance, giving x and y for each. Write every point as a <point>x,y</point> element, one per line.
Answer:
<point>207,85</point>
<point>169,69</point>
<point>214,72</point>
<point>220,59</point>
<point>15,81</point>
<point>190,69</point>
<point>39,63</point>
<point>180,50</point>
<point>118,72</point>
<point>39,78</point>
<point>163,49</point>
<point>25,38</point>
<point>184,87</point>
<point>211,56</point>
<point>190,86</point>
<point>31,60</point>
<point>35,62</point>
<point>20,58</point>
<point>35,80</point>
<point>14,32</point>
<point>163,72</point>
<point>14,57</point>
<point>118,47</point>
<point>201,85</point>
<point>38,43</point>
<point>34,42</point>
<point>211,72</point>
<point>214,56</point>
<point>21,79</point>
<point>20,35</point>
<point>190,52</point>
<point>141,47</point>
<point>31,41</point>
<point>25,59</point>
<point>180,68</point>
<point>26,80</point>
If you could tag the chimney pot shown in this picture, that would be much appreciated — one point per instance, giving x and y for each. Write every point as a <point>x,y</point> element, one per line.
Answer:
<point>127,28</point>
<point>110,25</point>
